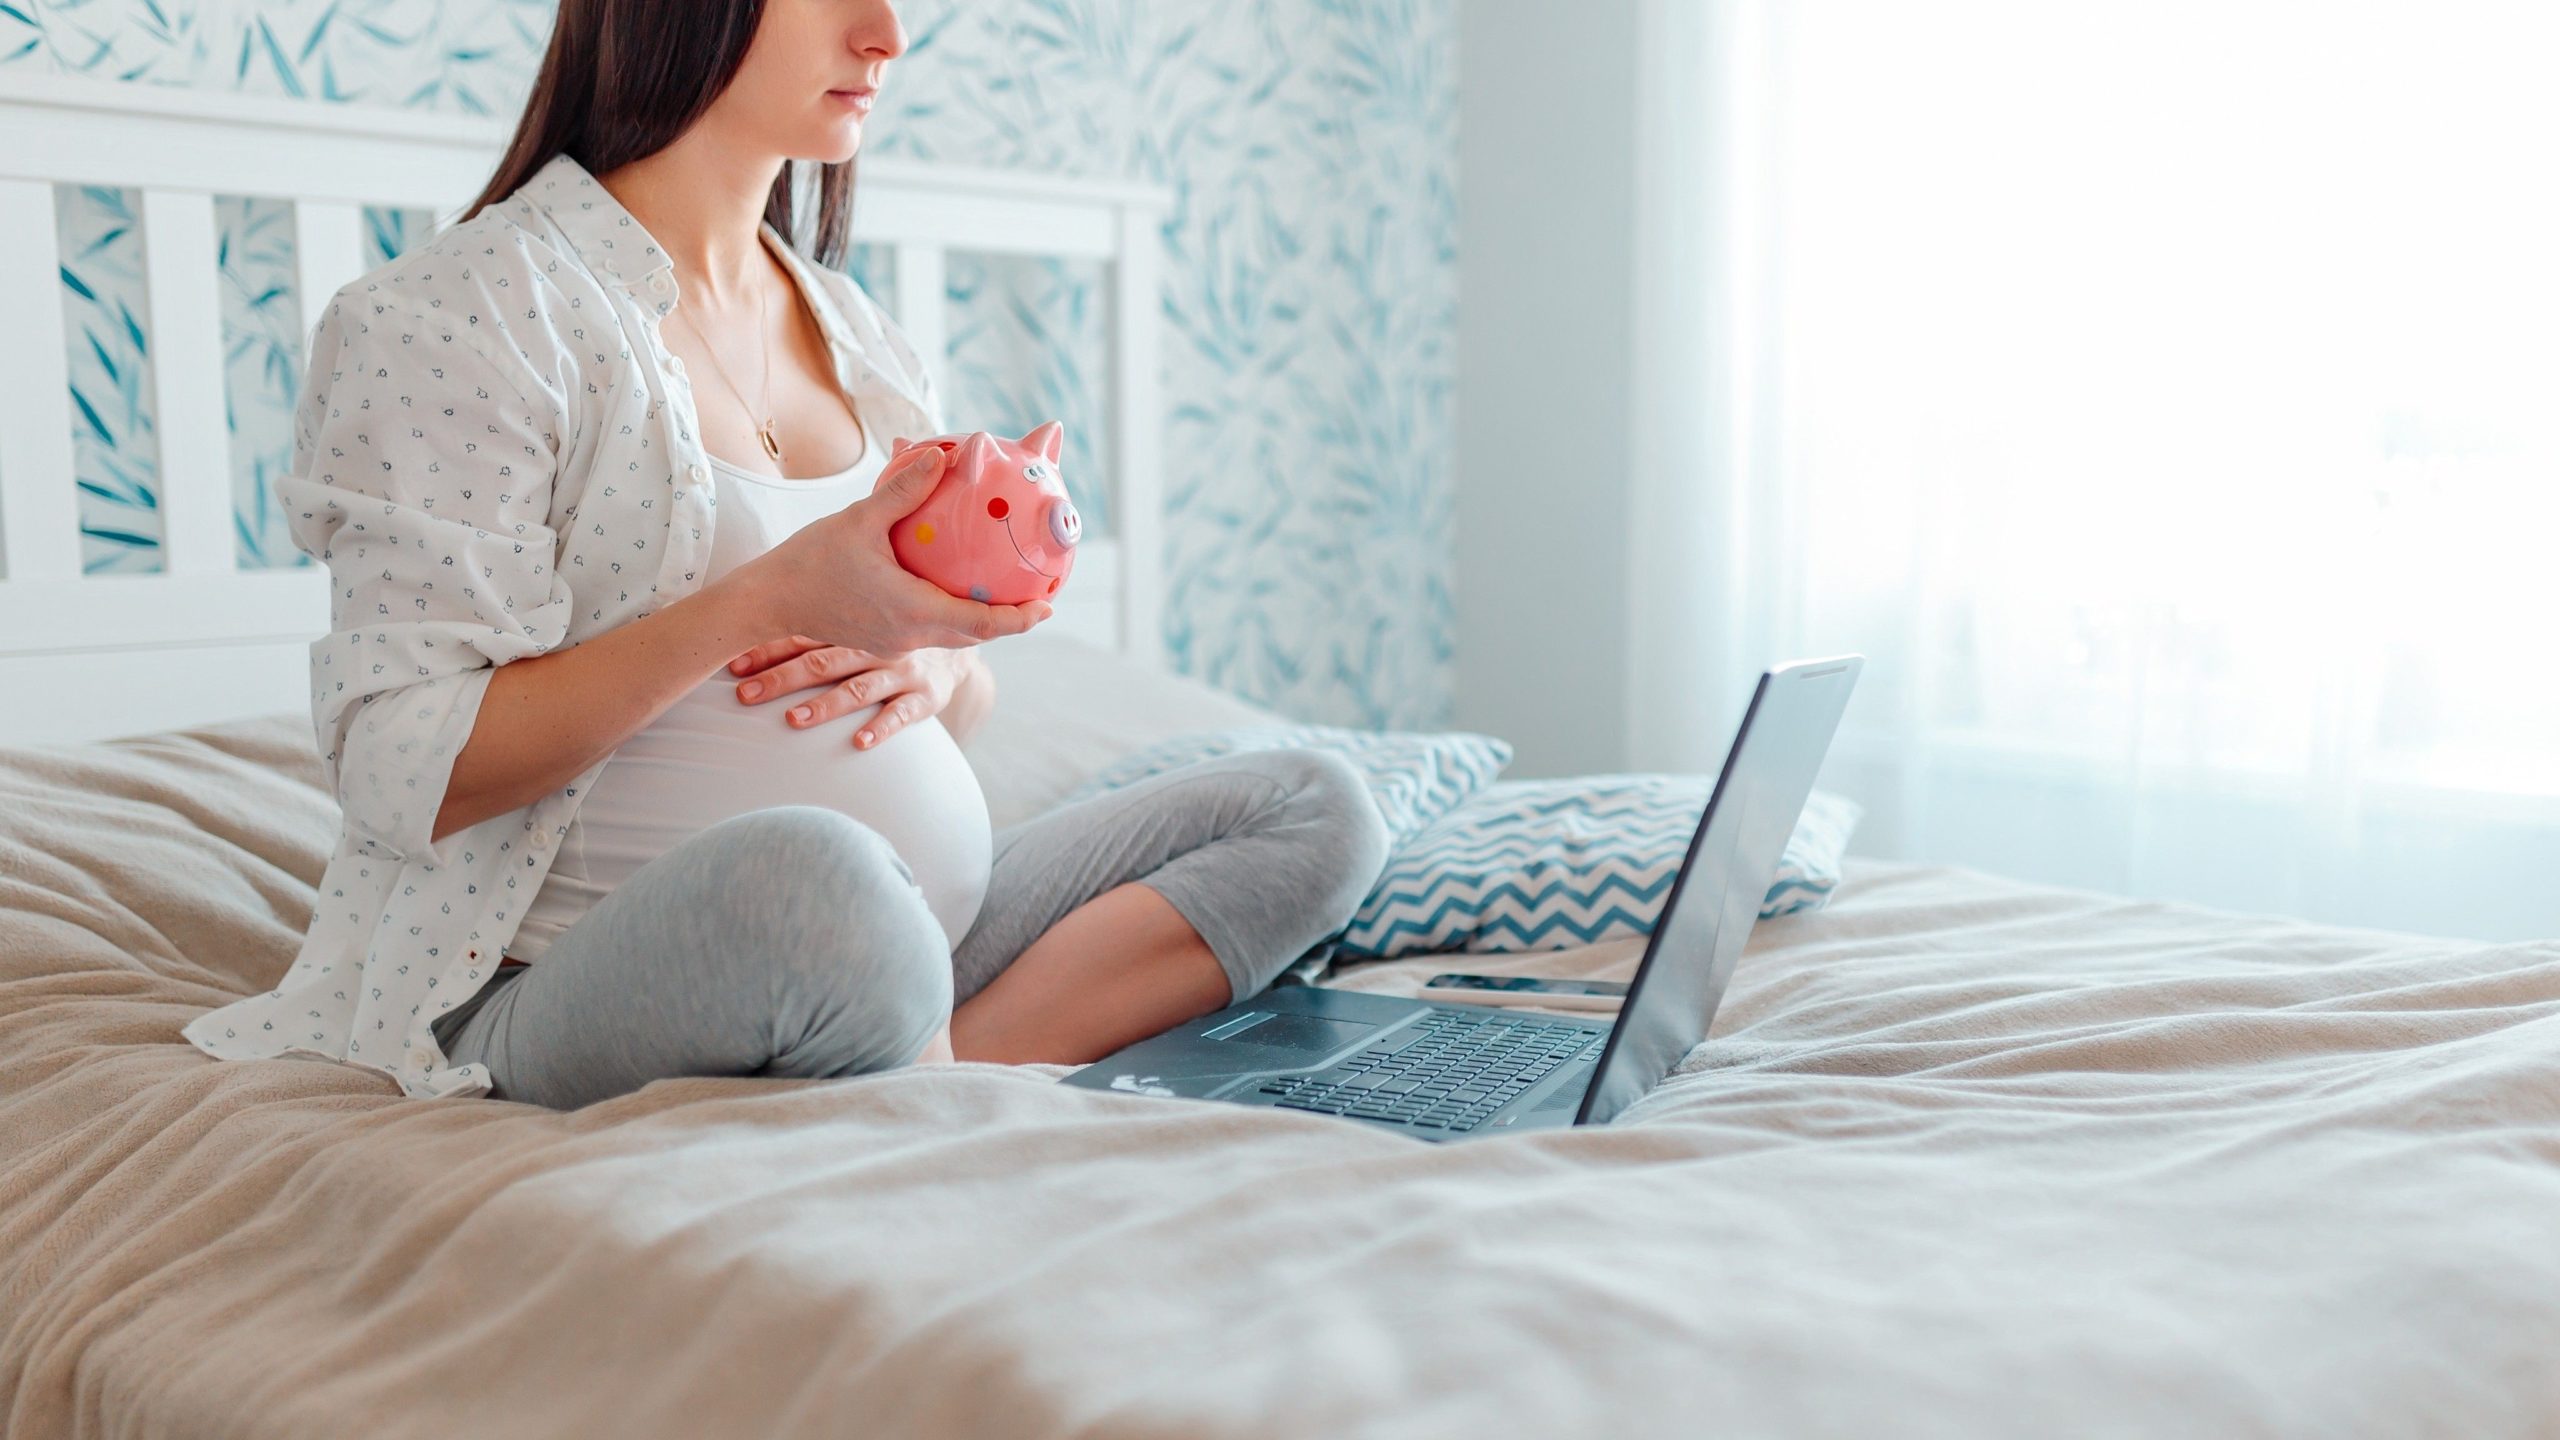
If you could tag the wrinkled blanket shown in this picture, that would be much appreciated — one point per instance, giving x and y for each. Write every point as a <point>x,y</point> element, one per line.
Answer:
<point>1962,1157</point>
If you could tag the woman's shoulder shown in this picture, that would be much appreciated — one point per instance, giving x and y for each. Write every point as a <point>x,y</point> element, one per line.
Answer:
<point>491,260</point>
<point>489,282</point>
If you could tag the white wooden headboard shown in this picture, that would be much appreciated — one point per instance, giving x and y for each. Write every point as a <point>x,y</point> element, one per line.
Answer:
<point>87,657</point>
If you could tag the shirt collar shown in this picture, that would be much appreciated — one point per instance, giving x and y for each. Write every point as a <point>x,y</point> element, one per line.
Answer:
<point>606,235</point>
<point>613,242</point>
<point>853,336</point>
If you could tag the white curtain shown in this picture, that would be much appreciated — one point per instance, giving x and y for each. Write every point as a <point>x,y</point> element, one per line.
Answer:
<point>2165,397</point>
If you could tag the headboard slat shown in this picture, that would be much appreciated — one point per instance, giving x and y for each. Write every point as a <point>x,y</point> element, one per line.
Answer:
<point>986,224</point>
<point>920,302</point>
<point>103,613</point>
<point>39,505</point>
<point>328,251</point>
<point>181,269</point>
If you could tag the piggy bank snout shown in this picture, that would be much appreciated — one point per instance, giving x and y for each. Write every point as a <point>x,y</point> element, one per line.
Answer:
<point>1065,525</point>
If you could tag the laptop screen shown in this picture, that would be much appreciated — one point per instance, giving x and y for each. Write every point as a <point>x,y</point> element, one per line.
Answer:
<point>1734,855</point>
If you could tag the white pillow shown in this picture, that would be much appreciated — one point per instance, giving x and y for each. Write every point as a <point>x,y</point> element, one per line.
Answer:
<point>1066,708</point>
<point>1414,776</point>
<point>1580,860</point>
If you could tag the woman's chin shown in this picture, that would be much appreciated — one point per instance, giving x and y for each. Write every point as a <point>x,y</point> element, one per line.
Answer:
<point>821,152</point>
<point>825,157</point>
<point>834,144</point>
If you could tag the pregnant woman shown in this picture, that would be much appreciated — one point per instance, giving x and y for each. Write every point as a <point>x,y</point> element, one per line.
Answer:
<point>647,749</point>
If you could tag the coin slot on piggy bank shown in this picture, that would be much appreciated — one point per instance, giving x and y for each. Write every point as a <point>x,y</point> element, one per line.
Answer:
<point>998,527</point>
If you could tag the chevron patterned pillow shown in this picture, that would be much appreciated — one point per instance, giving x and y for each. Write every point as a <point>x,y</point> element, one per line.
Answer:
<point>1415,776</point>
<point>1552,864</point>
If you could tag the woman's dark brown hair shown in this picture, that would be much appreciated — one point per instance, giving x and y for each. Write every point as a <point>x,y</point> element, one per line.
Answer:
<point>624,78</point>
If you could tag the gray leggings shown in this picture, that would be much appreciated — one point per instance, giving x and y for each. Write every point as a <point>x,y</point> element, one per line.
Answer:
<point>793,940</point>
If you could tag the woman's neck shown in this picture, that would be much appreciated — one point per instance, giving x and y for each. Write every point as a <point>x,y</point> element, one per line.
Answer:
<point>702,201</point>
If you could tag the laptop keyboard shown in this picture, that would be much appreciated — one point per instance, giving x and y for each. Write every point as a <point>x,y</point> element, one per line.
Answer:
<point>1448,1072</point>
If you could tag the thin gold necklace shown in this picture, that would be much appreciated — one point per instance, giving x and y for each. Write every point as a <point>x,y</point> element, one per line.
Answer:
<point>764,387</point>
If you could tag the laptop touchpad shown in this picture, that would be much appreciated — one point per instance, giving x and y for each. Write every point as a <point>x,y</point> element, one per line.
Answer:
<point>1290,1032</point>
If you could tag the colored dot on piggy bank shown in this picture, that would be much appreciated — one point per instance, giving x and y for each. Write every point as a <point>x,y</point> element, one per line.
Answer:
<point>998,527</point>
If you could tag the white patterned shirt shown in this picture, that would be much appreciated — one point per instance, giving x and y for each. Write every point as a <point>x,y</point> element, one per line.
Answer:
<point>496,455</point>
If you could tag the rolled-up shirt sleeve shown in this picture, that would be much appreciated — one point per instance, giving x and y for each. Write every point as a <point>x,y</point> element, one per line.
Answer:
<point>424,464</point>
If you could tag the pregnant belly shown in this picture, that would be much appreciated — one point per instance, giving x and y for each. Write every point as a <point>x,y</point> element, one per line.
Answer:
<point>709,758</point>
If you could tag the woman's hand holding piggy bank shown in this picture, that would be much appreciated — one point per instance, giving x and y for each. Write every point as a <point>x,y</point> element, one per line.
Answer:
<point>998,527</point>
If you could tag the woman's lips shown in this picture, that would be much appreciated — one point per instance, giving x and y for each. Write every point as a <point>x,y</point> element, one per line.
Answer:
<point>858,101</point>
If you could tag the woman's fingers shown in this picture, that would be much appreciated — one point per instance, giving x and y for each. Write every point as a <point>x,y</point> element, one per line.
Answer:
<point>800,672</point>
<point>971,622</point>
<point>939,619</point>
<point>908,484</point>
<point>770,653</point>
<point>893,717</point>
<point>832,703</point>
<point>872,687</point>
<point>868,688</point>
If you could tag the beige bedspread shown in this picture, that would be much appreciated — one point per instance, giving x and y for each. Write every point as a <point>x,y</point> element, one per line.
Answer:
<point>1964,1157</point>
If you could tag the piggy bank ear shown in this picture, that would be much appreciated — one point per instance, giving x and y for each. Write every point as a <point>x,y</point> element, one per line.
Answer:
<point>897,444</point>
<point>1045,441</point>
<point>976,453</point>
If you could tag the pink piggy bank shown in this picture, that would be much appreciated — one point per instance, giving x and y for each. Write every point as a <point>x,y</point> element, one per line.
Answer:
<point>998,527</point>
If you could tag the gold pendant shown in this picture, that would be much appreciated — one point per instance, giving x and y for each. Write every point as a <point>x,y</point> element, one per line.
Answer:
<point>772,446</point>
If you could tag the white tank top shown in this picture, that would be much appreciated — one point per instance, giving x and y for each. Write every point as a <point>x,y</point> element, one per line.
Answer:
<point>709,756</point>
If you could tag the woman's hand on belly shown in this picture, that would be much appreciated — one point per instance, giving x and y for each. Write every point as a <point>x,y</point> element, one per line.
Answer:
<point>908,688</point>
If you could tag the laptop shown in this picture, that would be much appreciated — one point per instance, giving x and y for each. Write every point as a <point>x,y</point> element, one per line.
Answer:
<point>1447,1072</point>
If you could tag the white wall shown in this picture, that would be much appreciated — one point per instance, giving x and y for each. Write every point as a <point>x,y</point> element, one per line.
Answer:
<point>1546,155</point>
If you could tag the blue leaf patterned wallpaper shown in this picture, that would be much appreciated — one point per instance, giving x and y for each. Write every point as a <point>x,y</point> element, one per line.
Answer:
<point>1309,285</point>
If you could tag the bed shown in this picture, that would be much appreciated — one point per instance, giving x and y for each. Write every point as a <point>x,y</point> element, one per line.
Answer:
<point>1961,1155</point>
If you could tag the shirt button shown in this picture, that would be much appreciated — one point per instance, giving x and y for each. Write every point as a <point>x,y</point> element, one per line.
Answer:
<point>675,363</point>
<point>660,283</point>
<point>697,472</point>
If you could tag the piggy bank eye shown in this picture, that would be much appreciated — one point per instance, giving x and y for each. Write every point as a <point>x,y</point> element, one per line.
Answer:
<point>1035,472</point>
<point>1065,525</point>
